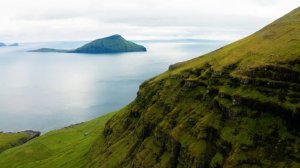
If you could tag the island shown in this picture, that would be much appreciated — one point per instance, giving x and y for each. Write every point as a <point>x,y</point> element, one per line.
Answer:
<point>14,45</point>
<point>9,45</point>
<point>50,50</point>
<point>2,44</point>
<point>112,44</point>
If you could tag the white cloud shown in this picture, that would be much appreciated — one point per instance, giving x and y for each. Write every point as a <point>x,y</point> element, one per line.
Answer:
<point>48,20</point>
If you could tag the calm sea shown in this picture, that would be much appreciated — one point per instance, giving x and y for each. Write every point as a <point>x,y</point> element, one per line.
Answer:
<point>44,91</point>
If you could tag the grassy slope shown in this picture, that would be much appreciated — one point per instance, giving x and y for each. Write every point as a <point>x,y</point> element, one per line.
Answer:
<point>227,108</point>
<point>67,147</point>
<point>277,42</point>
<point>9,140</point>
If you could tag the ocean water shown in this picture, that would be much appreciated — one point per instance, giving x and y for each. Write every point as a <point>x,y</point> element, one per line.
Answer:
<point>45,91</point>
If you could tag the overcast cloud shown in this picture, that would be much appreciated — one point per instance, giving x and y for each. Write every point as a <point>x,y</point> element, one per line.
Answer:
<point>68,20</point>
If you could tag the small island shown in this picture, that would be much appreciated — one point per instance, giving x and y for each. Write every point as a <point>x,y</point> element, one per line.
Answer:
<point>9,45</point>
<point>50,50</point>
<point>111,44</point>
<point>14,45</point>
<point>2,44</point>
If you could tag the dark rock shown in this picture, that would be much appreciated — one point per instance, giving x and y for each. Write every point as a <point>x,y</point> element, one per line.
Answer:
<point>134,114</point>
<point>236,100</point>
<point>275,73</point>
<point>192,121</point>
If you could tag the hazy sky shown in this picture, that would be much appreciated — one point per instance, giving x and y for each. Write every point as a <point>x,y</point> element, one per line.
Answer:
<point>55,20</point>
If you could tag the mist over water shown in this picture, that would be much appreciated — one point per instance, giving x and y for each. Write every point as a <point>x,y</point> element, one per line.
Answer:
<point>45,91</point>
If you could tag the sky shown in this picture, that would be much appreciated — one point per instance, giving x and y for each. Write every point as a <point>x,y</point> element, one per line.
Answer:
<point>78,20</point>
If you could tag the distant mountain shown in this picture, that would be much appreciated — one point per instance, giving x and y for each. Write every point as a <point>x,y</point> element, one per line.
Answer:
<point>10,45</point>
<point>14,45</point>
<point>2,44</point>
<point>111,44</point>
<point>50,50</point>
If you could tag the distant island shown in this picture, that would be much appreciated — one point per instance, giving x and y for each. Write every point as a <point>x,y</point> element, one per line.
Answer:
<point>50,50</point>
<point>9,45</point>
<point>111,44</point>
<point>13,45</point>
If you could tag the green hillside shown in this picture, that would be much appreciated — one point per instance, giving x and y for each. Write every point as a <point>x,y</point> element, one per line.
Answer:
<point>66,148</point>
<point>9,140</point>
<point>238,106</point>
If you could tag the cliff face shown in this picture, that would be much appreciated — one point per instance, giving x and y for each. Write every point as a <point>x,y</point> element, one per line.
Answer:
<point>238,106</point>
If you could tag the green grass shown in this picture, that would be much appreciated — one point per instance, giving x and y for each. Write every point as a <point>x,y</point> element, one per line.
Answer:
<point>67,147</point>
<point>9,140</point>
<point>277,42</point>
